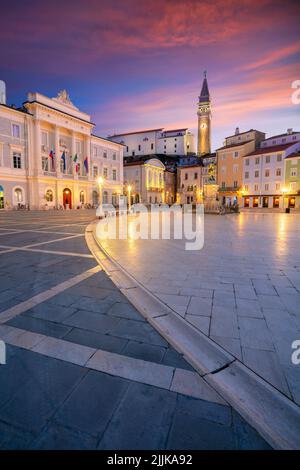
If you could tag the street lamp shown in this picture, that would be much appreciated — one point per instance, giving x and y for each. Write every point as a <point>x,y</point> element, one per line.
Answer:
<point>129,197</point>
<point>99,212</point>
<point>284,192</point>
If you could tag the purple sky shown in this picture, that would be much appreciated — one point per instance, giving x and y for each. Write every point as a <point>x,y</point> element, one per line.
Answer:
<point>139,64</point>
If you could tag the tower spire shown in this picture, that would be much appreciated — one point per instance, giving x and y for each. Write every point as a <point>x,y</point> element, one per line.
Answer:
<point>204,95</point>
<point>204,117</point>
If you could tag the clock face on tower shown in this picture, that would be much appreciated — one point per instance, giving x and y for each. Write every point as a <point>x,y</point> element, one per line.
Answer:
<point>203,125</point>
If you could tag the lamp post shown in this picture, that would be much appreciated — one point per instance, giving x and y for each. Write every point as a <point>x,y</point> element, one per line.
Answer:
<point>129,197</point>
<point>99,212</point>
<point>284,192</point>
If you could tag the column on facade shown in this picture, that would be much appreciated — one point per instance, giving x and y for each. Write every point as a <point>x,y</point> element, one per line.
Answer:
<point>57,150</point>
<point>87,145</point>
<point>37,146</point>
<point>73,153</point>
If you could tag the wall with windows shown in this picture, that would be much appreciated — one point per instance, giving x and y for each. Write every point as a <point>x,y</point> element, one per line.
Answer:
<point>48,146</point>
<point>264,176</point>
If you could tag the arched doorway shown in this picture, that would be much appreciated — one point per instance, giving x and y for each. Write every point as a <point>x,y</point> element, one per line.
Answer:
<point>67,198</point>
<point>105,197</point>
<point>1,197</point>
<point>81,197</point>
<point>95,197</point>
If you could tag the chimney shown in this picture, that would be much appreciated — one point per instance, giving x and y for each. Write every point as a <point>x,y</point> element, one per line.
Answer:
<point>2,92</point>
<point>289,131</point>
<point>237,131</point>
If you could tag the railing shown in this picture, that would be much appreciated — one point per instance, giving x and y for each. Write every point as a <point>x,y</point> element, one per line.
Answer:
<point>229,188</point>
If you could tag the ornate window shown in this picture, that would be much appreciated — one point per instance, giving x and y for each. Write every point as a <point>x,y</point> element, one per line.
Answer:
<point>49,195</point>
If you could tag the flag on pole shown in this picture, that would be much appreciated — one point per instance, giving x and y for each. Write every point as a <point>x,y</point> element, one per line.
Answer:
<point>86,164</point>
<point>63,157</point>
<point>75,161</point>
<point>51,156</point>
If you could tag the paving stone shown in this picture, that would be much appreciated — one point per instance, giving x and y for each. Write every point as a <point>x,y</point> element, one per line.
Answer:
<point>255,334</point>
<point>90,291</point>
<point>93,305</point>
<point>96,340</point>
<point>244,292</point>
<point>265,363</point>
<point>137,331</point>
<point>12,438</point>
<point>199,306</point>
<point>95,400</point>
<point>34,415</point>
<point>200,322</point>
<point>92,321</point>
<point>133,369</point>
<point>147,352</point>
<point>222,298</point>
<point>174,359</point>
<point>202,409</point>
<point>55,313</point>
<point>64,350</point>
<point>246,437</point>
<point>270,301</point>
<point>264,287</point>
<point>57,437</point>
<point>150,418</point>
<point>191,384</point>
<point>64,299</point>
<point>125,310</point>
<point>39,326</point>
<point>188,432</point>
<point>232,345</point>
<point>197,292</point>
<point>12,376</point>
<point>224,322</point>
<point>249,308</point>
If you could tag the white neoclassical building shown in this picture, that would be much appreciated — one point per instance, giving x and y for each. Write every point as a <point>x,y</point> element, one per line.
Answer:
<point>174,142</point>
<point>146,181</point>
<point>50,157</point>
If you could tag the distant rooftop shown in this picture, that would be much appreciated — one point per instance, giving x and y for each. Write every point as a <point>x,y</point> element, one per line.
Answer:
<point>235,145</point>
<point>274,148</point>
<point>135,132</point>
<point>282,135</point>
<point>246,132</point>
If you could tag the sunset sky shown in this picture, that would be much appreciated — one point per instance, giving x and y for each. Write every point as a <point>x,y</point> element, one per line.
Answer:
<point>139,64</point>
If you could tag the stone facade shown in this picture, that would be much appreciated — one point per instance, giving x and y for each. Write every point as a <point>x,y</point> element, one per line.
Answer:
<point>50,158</point>
<point>156,141</point>
<point>146,181</point>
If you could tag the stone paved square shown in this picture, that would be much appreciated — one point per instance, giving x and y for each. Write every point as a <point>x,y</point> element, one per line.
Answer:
<point>50,398</point>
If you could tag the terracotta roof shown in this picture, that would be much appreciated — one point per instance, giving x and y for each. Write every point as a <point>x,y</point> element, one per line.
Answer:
<point>246,132</point>
<point>193,165</point>
<point>137,162</point>
<point>175,130</point>
<point>235,145</point>
<point>14,108</point>
<point>266,150</point>
<point>293,155</point>
<point>108,140</point>
<point>282,135</point>
<point>135,132</point>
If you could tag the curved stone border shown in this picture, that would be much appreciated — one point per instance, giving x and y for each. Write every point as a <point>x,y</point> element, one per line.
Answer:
<point>271,413</point>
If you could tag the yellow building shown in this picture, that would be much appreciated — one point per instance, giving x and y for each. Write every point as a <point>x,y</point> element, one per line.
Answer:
<point>189,184</point>
<point>230,164</point>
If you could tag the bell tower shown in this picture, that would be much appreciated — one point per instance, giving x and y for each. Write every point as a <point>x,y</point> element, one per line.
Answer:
<point>204,120</point>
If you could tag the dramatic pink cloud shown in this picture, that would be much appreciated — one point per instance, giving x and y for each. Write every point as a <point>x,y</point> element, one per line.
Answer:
<point>135,64</point>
